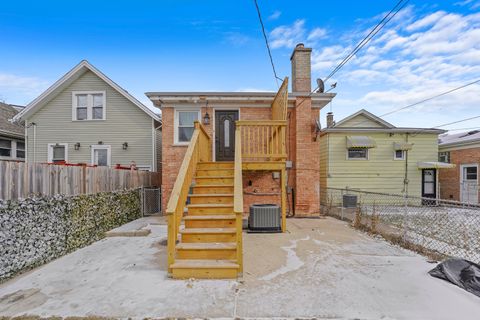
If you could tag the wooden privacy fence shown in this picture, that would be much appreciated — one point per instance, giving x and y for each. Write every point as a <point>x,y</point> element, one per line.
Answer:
<point>21,180</point>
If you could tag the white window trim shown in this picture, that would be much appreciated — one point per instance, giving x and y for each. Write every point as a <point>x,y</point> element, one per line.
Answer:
<point>16,149</point>
<point>358,159</point>
<point>395,155</point>
<point>144,168</point>
<point>462,175</point>
<point>175,125</point>
<point>89,105</point>
<point>101,146</point>
<point>50,151</point>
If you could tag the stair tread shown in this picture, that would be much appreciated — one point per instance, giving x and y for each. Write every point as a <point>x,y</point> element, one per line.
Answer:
<point>204,264</point>
<point>210,205</point>
<point>215,162</point>
<point>216,169</point>
<point>211,217</point>
<point>207,245</point>
<point>213,185</point>
<point>208,230</point>
<point>211,195</point>
<point>214,177</point>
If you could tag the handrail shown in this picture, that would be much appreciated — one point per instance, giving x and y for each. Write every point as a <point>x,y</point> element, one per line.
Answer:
<point>198,151</point>
<point>238,196</point>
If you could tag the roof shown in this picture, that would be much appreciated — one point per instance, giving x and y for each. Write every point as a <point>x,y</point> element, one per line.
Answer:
<point>68,79</point>
<point>373,123</point>
<point>319,100</point>
<point>459,139</point>
<point>7,128</point>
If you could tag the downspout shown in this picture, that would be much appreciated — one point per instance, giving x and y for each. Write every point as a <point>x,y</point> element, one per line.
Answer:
<point>405,180</point>
<point>34,142</point>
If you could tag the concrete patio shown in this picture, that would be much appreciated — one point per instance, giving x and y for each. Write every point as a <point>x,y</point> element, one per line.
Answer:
<point>320,268</point>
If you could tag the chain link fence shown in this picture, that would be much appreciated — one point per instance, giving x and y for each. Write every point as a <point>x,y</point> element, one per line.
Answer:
<point>437,228</point>
<point>151,201</point>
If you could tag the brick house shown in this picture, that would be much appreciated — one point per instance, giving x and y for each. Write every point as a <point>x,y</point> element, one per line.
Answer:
<point>463,150</point>
<point>224,151</point>
<point>259,186</point>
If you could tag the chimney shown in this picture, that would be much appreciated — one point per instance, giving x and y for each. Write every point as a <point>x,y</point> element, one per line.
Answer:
<point>330,122</point>
<point>301,69</point>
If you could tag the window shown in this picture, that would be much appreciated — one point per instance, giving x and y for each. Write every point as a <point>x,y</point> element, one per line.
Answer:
<point>101,155</point>
<point>470,173</point>
<point>357,154</point>
<point>444,157</point>
<point>184,125</point>
<point>399,155</point>
<point>20,149</point>
<point>5,148</point>
<point>57,152</point>
<point>88,106</point>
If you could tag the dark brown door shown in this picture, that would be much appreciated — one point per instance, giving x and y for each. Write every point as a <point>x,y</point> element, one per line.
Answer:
<point>225,135</point>
<point>429,186</point>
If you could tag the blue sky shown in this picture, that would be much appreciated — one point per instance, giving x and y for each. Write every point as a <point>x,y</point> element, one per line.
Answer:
<point>430,47</point>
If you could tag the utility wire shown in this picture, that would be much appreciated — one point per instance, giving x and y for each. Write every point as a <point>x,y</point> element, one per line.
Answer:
<point>266,43</point>
<point>369,36</point>
<point>446,124</point>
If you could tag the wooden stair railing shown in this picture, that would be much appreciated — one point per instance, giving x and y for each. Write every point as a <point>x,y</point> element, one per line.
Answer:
<point>238,196</point>
<point>199,150</point>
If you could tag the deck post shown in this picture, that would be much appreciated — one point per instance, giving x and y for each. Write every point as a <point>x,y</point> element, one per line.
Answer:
<point>283,182</point>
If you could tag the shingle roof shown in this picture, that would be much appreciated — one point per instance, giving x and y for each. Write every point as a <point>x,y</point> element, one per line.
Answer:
<point>7,128</point>
<point>460,138</point>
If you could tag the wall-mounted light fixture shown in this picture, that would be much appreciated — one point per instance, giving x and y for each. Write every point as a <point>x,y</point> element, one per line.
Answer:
<point>100,142</point>
<point>206,119</point>
<point>125,145</point>
<point>77,146</point>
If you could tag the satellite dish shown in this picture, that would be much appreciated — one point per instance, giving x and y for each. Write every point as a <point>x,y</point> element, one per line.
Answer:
<point>320,85</point>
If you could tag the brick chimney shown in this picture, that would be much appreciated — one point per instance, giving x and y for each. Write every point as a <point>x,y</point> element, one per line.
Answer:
<point>330,122</point>
<point>301,69</point>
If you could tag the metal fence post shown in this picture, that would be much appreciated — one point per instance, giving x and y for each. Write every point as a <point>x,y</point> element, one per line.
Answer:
<point>405,216</point>
<point>341,205</point>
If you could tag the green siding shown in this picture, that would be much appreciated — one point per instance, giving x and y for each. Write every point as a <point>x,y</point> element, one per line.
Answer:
<point>380,173</point>
<point>125,123</point>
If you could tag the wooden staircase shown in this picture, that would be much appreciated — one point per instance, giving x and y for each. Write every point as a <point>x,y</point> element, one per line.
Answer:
<point>208,245</point>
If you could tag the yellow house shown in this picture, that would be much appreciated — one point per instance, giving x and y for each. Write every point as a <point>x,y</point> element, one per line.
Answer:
<point>365,152</point>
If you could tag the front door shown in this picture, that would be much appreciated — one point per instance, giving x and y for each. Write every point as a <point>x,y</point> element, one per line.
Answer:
<point>225,134</point>
<point>429,185</point>
<point>469,184</point>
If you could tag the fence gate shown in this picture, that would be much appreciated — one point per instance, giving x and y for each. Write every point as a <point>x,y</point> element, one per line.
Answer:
<point>151,201</point>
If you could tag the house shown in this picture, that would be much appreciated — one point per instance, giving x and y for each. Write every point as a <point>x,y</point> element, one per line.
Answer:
<point>366,152</point>
<point>87,118</point>
<point>227,150</point>
<point>12,135</point>
<point>463,150</point>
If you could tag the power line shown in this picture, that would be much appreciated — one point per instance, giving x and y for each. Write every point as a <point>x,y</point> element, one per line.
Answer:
<point>266,43</point>
<point>431,98</point>
<point>446,124</point>
<point>369,36</point>
<point>461,129</point>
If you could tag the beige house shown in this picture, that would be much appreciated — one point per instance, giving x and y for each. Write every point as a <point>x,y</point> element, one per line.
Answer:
<point>365,152</point>
<point>85,117</point>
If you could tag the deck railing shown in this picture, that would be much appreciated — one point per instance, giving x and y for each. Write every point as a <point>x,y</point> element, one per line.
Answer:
<point>238,196</point>
<point>280,102</point>
<point>199,150</point>
<point>263,140</point>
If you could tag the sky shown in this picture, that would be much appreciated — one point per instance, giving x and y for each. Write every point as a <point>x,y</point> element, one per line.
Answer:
<point>428,48</point>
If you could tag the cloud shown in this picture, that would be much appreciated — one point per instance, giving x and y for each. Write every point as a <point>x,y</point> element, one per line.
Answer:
<point>237,39</point>
<point>417,55</point>
<point>275,15</point>
<point>316,34</point>
<point>288,36</point>
<point>14,86</point>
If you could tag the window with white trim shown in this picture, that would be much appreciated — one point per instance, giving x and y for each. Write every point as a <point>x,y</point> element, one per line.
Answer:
<point>444,156</point>
<point>357,154</point>
<point>57,152</point>
<point>184,125</point>
<point>399,155</point>
<point>88,105</point>
<point>5,148</point>
<point>20,150</point>
<point>101,155</point>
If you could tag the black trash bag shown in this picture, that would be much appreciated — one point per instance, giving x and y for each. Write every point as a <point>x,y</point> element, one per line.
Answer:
<point>460,272</point>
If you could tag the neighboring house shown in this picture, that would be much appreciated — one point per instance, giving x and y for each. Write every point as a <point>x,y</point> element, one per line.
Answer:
<point>12,135</point>
<point>463,150</point>
<point>85,117</point>
<point>365,152</point>
<point>181,109</point>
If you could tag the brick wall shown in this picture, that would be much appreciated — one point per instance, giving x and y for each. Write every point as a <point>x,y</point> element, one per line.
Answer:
<point>449,179</point>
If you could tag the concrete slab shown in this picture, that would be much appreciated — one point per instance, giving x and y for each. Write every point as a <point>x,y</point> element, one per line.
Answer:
<point>321,268</point>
